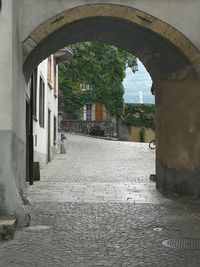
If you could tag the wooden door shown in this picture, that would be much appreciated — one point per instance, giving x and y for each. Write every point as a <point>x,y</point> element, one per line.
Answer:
<point>98,111</point>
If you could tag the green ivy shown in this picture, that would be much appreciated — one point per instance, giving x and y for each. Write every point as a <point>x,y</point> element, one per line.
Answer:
<point>100,65</point>
<point>142,135</point>
<point>140,115</point>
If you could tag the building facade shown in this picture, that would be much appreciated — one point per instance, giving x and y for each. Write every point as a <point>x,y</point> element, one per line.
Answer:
<point>45,111</point>
<point>42,114</point>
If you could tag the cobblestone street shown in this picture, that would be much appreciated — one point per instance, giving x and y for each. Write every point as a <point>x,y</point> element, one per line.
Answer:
<point>95,206</point>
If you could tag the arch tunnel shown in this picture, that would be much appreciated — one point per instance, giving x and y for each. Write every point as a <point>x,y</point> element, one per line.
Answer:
<point>170,59</point>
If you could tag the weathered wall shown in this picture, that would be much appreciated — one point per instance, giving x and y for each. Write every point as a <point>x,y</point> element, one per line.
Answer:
<point>124,131</point>
<point>172,12</point>
<point>12,118</point>
<point>166,43</point>
<point>134,136</point>
<point>40,134</point>
<point>103,20</point>
<point>132,133</point>
<point>178,135</point>
<point>6,66</point>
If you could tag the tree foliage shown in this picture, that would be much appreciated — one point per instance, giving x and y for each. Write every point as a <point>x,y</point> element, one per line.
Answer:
<point>100,65</point>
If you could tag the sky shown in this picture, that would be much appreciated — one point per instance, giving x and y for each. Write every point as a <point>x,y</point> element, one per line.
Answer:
<point>138,86</point>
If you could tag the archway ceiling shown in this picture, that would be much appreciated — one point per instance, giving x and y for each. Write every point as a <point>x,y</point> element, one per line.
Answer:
<point>158,55</point>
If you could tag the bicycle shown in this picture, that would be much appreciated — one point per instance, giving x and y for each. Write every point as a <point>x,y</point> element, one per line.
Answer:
<point>152,144</point>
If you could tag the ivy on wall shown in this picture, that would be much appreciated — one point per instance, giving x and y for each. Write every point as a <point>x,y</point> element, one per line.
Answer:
<point>142,135</point>
<point>100,65</point>
<point>140,115</point>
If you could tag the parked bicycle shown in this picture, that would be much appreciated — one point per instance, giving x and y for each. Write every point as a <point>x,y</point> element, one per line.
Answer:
<point>152,144</point>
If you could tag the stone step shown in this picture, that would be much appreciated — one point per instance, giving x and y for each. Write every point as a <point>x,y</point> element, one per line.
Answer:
<point>7,228</point>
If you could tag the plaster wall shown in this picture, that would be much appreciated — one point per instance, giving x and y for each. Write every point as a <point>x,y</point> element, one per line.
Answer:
<point>51,103</point>
<point>183,16</point>
<point>6,66</point>
<point>19,88</point>
<point>134,136</point>
<point>40,157</point>
<point>40,133</point>
<point>178,136</point>
<point>12,118</point>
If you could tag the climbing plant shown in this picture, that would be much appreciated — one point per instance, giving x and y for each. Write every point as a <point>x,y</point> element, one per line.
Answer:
<point>101,66</point>
<point>142,135</point>
<point>141,115</point>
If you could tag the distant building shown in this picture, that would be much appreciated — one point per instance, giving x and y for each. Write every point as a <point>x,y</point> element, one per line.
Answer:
<point>94,119</point>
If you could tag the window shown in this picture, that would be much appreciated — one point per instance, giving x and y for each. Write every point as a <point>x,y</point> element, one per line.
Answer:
<point>41,103</point>
<point>34,92</point>
<point>88,112</point>
<point>85,87</point>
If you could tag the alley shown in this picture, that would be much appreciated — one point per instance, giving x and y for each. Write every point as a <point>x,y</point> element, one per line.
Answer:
<point>95,206</point>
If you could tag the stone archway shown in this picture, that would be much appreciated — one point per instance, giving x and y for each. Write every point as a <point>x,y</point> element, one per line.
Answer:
<point>121,12</point>
<point>33,31</point>
<point>169,57</point>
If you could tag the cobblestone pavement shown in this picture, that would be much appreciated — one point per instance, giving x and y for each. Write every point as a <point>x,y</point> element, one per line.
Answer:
<point>95,206</point>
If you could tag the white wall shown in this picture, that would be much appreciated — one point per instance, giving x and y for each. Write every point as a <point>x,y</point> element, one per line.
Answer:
<point>6,67</point>
<point>12,114</point>
<point>51,103</point>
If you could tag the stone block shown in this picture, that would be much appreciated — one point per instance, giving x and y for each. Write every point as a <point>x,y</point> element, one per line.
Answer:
<point>7,228</point>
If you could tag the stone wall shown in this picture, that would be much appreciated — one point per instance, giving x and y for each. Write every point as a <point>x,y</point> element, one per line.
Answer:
<point>105,129</point>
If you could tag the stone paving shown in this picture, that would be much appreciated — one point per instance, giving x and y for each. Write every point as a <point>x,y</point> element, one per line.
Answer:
<point>95,206</point>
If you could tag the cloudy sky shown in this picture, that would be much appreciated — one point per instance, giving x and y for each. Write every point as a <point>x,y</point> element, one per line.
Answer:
<point>137,86</point>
